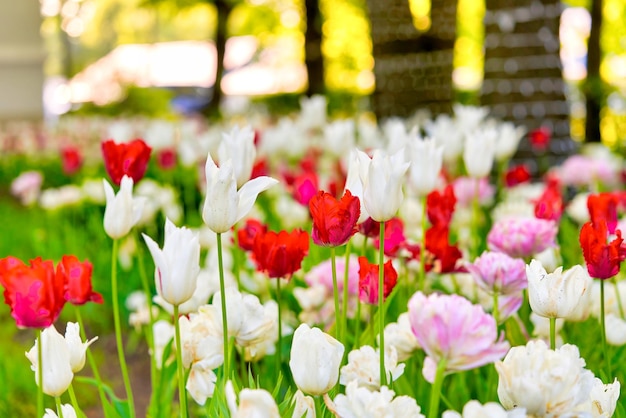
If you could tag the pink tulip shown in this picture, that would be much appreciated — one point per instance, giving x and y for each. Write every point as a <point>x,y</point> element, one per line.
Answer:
<point>522,237</point>
<point>452,329</point>
<point>498,273</point>
<point>323,274</point>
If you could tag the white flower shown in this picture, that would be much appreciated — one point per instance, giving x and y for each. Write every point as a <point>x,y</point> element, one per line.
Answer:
<point>314,360</point>
<point>201,337</point>
<point>556,295</point>
<point>382,177</point>
<point>77,348</point>
<point>162,333</point>
<point>469,117</point>
<point>615,329</point>
<point>201,380</point>
<point>426,161</point>
<point>364,367</point>
<point>356,171</point>
<point>359,402</point>
<point>399,335</point>
<point>57,370</point>
<point>577,208</point>
<point>67,410</point>
<point>238,146</point>
<point>602,399</point>
<point>312,111</point>
<point>508,140</point>
<point>479,153</point>
<point>177,264</point>
<point>253,403</point>
<point>122,211</point>
<point>473,409</point>
<point>224,205</point>
<point>446,133</point>
<point>339,136</point>
<point>305,405</point>
<point>545,382</point>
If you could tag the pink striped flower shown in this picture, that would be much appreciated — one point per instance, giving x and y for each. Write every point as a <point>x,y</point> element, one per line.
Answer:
<point>522,237</point>
<point>496,272</point>
<point>452,329</point>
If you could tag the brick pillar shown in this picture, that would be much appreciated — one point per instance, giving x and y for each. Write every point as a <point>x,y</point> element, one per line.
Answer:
<point>21,60</point>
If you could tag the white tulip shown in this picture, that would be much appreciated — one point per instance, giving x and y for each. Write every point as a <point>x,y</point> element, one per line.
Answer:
<point>556,295</point>
<point>479,153</point>
<point>474,409</point>
<point>57,370</point>
<point>253,403</point>
<point>315,359</point>
<point>364,367</point>
<point>359,402</point>
<point>224,205</point>
<point>176,265</point>
<point>426,161</point>
<point>356,170</point>
<point>67,410</point>
<point>122,211</point>
<point>201,381</point>
<point>238,146</point>
<point>602,399</point>
<point>399,335</point>
<point>305,405</point>
<point>77,348</point>
<point>508,140</point>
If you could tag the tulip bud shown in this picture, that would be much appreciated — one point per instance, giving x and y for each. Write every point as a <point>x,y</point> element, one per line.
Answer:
<point>57,370</point>
<point>315,360</point>
<point>76,347</point>
<point>122,211</point>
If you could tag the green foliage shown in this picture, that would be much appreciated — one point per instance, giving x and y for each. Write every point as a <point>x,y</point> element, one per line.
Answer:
<point>137,101</point>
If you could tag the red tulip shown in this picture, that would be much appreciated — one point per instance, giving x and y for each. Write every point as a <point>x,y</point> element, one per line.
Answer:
<point>446,256</point>
<point>305,186</point>
<point>550,204</point>
<point>334,221</point>
<point>78,290</point>
<point>280,254</point>
<point>516,175</point>
<point>166,159</point>
<point>129,159</point>
<point>370,228</point>
<point>603,207</point>
<point>540,138</point>
<point>394,237</point>
<point>368,280</point>
<point>440,206</point>
<point>34,293</point>
<point>248,233</point>
<point>71,159</point>
<point>602,259</point>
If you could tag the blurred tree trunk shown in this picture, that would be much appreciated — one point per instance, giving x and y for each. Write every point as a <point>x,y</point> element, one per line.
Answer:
<point>313,48</point>
<point>593,85</point>
<point>224,7</point>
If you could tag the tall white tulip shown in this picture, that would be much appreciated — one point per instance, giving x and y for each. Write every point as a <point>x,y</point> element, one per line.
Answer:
<point>426,161</point>
<point>57,370</point>
<point>382,177</point>
<point>253,403</point>
<point>315,359</point>
<point>479,152</point>
<point>67,410</point>
<point>177,264</point>
<point>77,348</point>
<point>353,180</point>
<point>508,140</point>
<point>556,295</point>
<point>122,211</point>
<point>224,205</point>
<point>238,146</point>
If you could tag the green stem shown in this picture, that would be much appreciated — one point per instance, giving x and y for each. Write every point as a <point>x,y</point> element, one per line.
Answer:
<point>494,311</point>
<point>371,325</point>
<point>618,297</point>
<point>357,323</point>
<point>40,410</point>
<point>333,264</point>
<point>220,263</point>
<point>118,331</point>
<point>280,328</point>
<point>57,401</point>
<point>73,399</point>
<point>381,302</point>
<point>91,360</point>
<point>475,221</point>
<point>605,348</point>
<point>435,390</point>
<point>344,301</point>
<point>552,333</point>
<point>422,276</point>
<point>236,253</point>
<point>182,394</point>
<point>149,329</point>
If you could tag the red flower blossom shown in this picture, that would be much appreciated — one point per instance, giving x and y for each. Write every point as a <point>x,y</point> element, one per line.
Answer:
<point>249,232</point>
<point>77,277</point>
<point>602,259</point>
<point>280,254</point>
<point>516,175</point>
<point>445,256</point>
<point>129,159</point>
<point>34,293</point>
<point>540,138</point>
<point>550,204</point>
<point>370,228</point>
<point>603,207</point>
<point>368,280</point>
<point>334,221</point>
<point>166,159</point>
<point>71,159</point>
<point>440,206</point>
<point>305,186</point>
<point>394,237</point>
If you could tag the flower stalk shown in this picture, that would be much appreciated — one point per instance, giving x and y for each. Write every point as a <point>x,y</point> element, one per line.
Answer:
<point>39,375</point>
<point>381,301</point>
<point>338,312</point>
<point>220,262</point>
<point>435,390</point>
<point>182,394</point>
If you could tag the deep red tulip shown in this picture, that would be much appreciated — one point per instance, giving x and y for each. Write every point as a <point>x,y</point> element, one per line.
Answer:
<point>370,228</point>
<point>78,289</point>
<point>440,206</point>
<point>603,259</point>
<point>129,159</point>
<point>550,204</point>
<point>603,207</point>
<point>305,186</point>
<point>517,174</point>
<point>394,237</point>
<point>334,221</point>
<point>166,159</point>
<point>247,234</point>
<point>34,292</point>
<point>71,159</point>
<point>368,280</point>
<point>445,256</point>
<point>280,254</point>
<point>540,138</point>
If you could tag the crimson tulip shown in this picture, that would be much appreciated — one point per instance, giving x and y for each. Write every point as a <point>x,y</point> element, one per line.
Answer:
<point>440,206</point>
<point>540,138</point>
<point>368,280</point>
<point>34,292</point>
<point>129,159</point>
<point>247,234</point>
<point>280,254</point>
<point>603,259</point>
<point>71,159</point>
<point>334,221</point>
<point>550,204</point>
<point>603,207</point>
<point>394,237</point>
<point>78,289</point>
<point>446,256</point>
<point>518,174</point>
